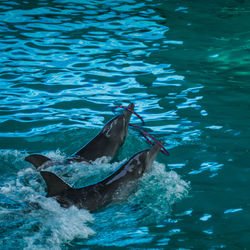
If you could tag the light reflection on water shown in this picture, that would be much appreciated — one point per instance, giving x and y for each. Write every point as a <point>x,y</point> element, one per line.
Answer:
<point>65,64</point>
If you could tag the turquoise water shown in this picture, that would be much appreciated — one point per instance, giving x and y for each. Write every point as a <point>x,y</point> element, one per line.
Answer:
<point>185,65</point>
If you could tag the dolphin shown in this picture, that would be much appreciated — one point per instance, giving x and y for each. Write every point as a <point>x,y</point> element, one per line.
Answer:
<point>100,194</point>
<point>106,143</point>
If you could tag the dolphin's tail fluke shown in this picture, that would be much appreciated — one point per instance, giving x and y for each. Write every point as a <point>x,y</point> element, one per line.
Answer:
<point>55,185</point>
<point>37,160</point>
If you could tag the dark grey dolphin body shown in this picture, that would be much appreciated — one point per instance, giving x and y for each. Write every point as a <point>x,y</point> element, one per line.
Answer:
<point>106,143</point>
<point>100,194</point>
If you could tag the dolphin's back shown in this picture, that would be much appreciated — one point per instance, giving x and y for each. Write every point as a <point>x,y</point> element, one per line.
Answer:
<point>94,149</point>
<point>106,143</point>
<point>99,194</point>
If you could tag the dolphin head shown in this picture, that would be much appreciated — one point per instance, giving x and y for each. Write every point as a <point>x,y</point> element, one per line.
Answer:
<point>117,128</point>
<point>128,112</point>
<point>142,161</point>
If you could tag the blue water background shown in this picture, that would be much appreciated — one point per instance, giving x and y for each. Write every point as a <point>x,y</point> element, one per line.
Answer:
<point>185,64</point>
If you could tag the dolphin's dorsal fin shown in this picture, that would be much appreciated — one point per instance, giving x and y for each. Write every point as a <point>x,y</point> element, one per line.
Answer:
<point>37,160</point>
<point>55,185</point>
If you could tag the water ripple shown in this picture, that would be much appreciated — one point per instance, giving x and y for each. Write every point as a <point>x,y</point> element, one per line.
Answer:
<point>65,64</point>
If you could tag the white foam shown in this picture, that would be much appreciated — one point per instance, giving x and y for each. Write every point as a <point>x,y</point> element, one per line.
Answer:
<point>12,157</point>
<point>56,155</point>
<point>59,225</point>
<point>159,190</point>
<point>102,160</point>
<point>41,223</point>
<point>45,224</point>
<point>151,203</point>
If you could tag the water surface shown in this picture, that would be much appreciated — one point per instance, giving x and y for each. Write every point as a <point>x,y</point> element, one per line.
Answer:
<point>185,65</point>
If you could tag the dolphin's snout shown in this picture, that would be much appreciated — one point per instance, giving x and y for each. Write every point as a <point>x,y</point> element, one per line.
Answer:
<point>151,154</point>
<point>127,113</point>
<point>131,106</point>
<point>154,150</point>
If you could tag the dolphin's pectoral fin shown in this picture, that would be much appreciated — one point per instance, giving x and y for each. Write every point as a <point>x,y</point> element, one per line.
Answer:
<point>37,160</point>
<point>55,185</point>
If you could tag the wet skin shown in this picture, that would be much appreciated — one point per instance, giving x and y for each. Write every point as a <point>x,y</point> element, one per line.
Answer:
<point>100,194</point>
<point>105,144</point>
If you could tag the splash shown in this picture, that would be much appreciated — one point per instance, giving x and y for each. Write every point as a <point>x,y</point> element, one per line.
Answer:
<point>35,221</point>
<point>157,193</point>
<point>40,223</point>
<point>14,158</point>
<point>58,226</point>
<point>127,222</point>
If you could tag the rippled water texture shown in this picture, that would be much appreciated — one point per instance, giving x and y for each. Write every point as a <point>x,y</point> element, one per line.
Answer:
<point>185,64</point>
